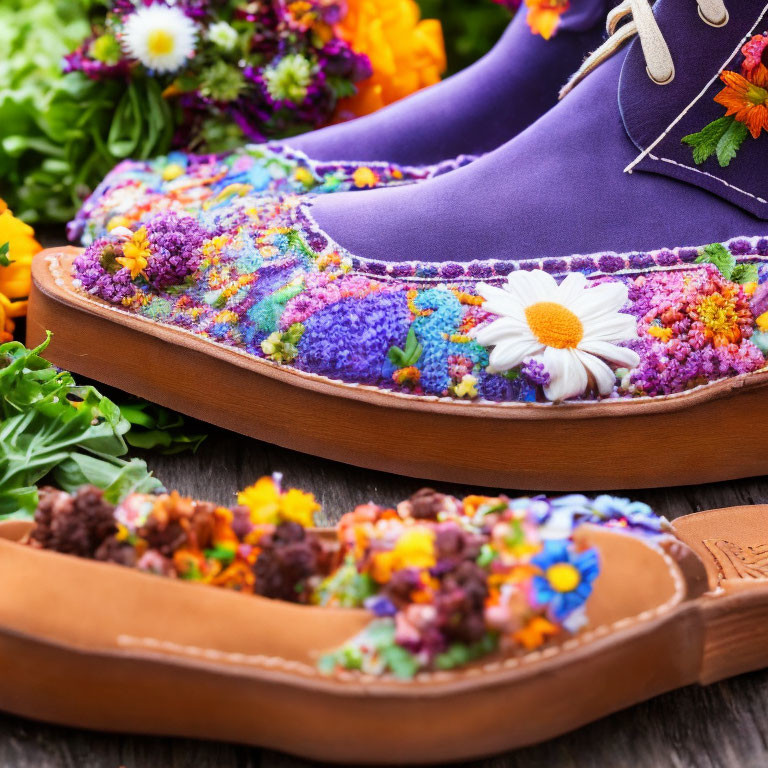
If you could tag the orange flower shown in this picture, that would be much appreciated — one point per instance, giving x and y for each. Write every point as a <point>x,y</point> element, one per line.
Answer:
<point>16,278</point>
<point>406,53</point>
<point>544,16</point>
<point>747,102</point>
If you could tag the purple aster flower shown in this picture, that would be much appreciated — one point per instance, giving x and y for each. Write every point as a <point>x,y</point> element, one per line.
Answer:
<point>176,248</point>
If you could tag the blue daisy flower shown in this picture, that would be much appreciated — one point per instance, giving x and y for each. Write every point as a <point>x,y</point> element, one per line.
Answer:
<point>566,580</point>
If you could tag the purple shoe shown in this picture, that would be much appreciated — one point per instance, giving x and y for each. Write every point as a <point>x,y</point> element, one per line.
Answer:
<point>432,132</point>
<point>593,292</point>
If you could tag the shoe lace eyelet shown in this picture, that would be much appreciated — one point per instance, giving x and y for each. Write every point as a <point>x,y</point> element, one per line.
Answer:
<point>717,24</point>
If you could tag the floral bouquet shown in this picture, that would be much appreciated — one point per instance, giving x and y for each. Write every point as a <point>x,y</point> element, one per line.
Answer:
<point>206,75</point>
<point>143,76</point>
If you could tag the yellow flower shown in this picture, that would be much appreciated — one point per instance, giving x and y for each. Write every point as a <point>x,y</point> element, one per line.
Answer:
<point>172,171</point>
<point>406,53</point>
<point>467,387</point>
<point>9,310</point>
<point>136,253</point>
<point>299,507</point>
<point>365,177</point>
<point>663,333</point>
<point>263,500</point>
<point>416,549</point>
<point>118,221</point>
<point>762,322</point>
<point>268,506</point>
<point>304,176</point>
<point>16,278</point>
<point>544,16</point>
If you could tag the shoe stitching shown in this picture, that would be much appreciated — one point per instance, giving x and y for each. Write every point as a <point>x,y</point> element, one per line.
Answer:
<point>710,175</point>
<point>285,665</point>
<point>647,152</point>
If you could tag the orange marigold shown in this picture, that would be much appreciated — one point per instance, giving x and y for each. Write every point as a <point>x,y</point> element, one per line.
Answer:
<point>406,53</point>
<point>16,277</point>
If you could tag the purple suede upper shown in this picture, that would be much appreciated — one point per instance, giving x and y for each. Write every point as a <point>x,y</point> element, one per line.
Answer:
<point>476,110</point>
<point>685,106</point>
<point>559,188</point>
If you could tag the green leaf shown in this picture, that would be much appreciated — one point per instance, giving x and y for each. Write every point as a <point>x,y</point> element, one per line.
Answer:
<point>721,257</point>
<point>4,260</point>
<point>730,143</point>
<point>705,142</point>
<point>51,426</point>
<point>744,273</point>
<point>410,355</point>
<point>134,477</point>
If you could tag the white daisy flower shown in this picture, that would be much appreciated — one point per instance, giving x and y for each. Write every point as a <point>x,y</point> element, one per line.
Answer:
<point>570,328</point>
<point>161,38</point>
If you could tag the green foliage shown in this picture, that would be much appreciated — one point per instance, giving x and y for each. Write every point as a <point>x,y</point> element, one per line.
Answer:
<point>156,428</point>
<point>50,427</point>
<point>720,256</point>
<point>722,137</point>
<point>725,261</point>
<point>60,134</point>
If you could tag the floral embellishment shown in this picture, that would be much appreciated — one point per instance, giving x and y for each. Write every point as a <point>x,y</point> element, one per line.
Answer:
<point>570,328</point>
<point>745,98</point>
<point>544,16</point>
<point>258,276</point>
<point>566,578</point>
<point>135,253</point>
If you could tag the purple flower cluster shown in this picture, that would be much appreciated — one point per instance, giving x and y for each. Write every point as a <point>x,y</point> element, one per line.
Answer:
<point>101,275</point>
<point>675,367</point>
<point>176,247</point>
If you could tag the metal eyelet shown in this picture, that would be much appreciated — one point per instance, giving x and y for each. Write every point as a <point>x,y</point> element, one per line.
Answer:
<point>662,82</point>
<point>717,25</point>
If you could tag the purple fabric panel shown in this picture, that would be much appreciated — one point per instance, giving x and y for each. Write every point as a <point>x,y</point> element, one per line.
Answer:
<point>476,110</point>
<point>558,189</point>
<point>700,52</point>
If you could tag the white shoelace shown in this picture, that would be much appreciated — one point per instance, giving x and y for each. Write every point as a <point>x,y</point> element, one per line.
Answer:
<point>658,59</point>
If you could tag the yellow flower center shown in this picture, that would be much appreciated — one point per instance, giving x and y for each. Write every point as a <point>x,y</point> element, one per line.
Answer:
<point>554,325</point>
<point>718,315</point>
<point>160,42</point>
<point>563,577</point>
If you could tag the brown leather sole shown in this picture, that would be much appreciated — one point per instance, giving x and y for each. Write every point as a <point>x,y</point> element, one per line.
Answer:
<point>657,442</point>
<point>100,646</point>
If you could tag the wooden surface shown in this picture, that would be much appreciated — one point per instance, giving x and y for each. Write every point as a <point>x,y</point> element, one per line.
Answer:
<point>723,725</point>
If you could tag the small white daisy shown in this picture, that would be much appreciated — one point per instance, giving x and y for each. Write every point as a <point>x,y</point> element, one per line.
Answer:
<point>570,328</point>
<point>161,38</point>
